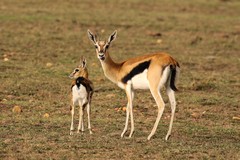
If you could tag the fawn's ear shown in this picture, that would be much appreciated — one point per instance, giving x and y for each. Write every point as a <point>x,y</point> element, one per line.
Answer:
<point>83,62</point>
<point>112,37</point>
<point>92,37</point>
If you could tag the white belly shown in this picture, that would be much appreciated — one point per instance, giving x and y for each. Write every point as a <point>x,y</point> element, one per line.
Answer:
<point>140,81</point>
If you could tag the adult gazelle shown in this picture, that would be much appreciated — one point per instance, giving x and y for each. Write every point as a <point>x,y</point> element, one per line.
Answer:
<point>151,71</point>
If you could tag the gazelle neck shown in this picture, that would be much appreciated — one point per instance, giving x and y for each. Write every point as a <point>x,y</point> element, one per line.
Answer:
<point>110,68</point>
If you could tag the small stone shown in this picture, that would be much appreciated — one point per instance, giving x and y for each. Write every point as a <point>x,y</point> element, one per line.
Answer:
<point>5,59</point>
<point>46,115</point>
<point>4,100</point>
<point>17,109</point>
<point>49,64</point>
<point>110,95</point>
<point>159,41</point>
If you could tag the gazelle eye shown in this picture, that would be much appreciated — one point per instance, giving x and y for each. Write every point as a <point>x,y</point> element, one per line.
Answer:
<point>107,46</point>
<point>76,70</point>
<point>96,47</point>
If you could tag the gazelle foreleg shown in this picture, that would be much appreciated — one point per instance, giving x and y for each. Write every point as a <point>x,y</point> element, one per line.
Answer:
<point>172,101</point>
<point>161,105</point>
<point>88,114</point>
<point>129,110</point>
<point>72,113</point>
<point>126,122</point>
<point>131,114</point>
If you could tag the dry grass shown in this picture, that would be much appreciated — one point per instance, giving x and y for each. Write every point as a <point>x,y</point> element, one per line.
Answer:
<point>203,36</point>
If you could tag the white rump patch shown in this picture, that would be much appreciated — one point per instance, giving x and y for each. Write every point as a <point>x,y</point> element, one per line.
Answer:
<point>164,77</point>
<point>79,94</point>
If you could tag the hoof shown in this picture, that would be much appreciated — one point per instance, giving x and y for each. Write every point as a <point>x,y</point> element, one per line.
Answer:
<point>130,135</point>
<point>122,135</point>
<point>167,137</point>
<point>149,137</point>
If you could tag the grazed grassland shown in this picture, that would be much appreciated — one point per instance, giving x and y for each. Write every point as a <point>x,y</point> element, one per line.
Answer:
<point>202,35</point>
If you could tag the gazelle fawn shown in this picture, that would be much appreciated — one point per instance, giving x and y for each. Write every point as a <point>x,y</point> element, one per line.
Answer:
<point>151,71</point>
<point>82,91</point>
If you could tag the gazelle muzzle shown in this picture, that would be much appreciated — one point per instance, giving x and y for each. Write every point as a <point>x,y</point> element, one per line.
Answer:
<point>71,75</point>
<point>101,56</point>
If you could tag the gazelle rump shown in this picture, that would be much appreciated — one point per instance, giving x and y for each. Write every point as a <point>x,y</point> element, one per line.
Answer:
<point>82,91</point>
<point>152,71</point>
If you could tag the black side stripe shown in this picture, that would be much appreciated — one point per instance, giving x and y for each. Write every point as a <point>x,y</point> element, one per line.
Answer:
<point>136,70</point>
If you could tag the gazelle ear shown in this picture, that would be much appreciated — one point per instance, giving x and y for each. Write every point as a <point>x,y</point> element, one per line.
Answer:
<point>92,37</point>
<point>112,37</point>
<point>84,62</point>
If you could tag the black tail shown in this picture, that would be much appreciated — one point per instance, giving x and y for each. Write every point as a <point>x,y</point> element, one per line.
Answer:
<point>79,81</point>
<point>173,78</point>
<point>85,82</point>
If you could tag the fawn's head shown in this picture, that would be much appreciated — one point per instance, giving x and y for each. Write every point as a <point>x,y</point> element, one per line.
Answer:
<point>102,46</point>
<point>80,70</point>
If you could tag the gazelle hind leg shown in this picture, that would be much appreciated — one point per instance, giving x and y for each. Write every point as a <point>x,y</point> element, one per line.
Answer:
<point>80,125</point>
<point>82,128</point>
<point>156,82</point>
<point>172,101</point>
<point>88,114</point>
<point>161,105</point>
